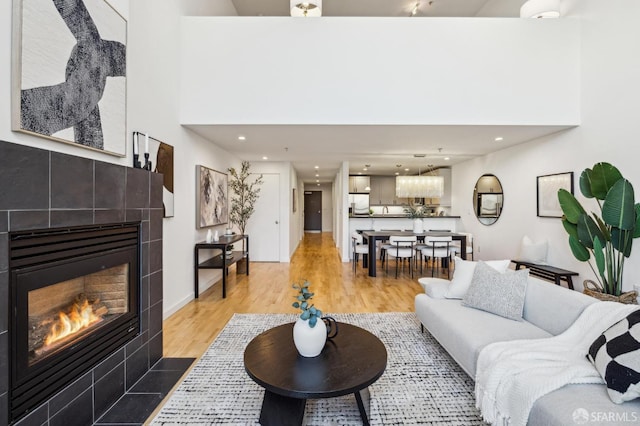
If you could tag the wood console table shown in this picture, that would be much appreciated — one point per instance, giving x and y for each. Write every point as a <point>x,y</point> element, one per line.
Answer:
<point>221,260</point>
<point>548,272</point>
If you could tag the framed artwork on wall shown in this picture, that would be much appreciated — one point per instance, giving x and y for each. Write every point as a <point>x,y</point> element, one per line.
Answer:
<point>547,192</point>
<point>212,198</point>
<point>69,73</point>
<point>295,200</point>
<point>161,158</point>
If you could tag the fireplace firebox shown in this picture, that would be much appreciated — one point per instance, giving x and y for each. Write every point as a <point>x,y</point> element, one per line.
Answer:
<point>74,300</point>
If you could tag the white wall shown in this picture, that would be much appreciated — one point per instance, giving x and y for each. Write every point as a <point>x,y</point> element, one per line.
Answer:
<point>380,71</point>
<point>610,131</point>
<point>153,90</point>
<point>152,94</point>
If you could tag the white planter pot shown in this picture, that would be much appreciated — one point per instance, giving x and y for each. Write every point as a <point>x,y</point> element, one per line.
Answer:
<point>309,340</point>
<point>417,225</point>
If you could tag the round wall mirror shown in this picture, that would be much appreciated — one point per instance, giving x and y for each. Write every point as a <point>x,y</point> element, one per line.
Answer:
<point>488,199</point>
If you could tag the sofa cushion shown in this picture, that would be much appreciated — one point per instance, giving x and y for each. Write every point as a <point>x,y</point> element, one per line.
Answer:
<point>463,331</point>
<point>501,294</point>
<point>573,404</point>
<point>551,307</point>
<point>616,356</point>
<point>463,274</point>
<point>435,287</point>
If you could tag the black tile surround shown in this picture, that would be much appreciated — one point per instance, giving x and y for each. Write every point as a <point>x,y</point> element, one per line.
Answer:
<point>42,189</point>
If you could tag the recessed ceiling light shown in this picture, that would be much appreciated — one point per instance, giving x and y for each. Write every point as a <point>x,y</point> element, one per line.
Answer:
<point>406,170</point>
<point>318,184</point>
<point>365,169</point>
<point>242,138</point>
<point>317,175</point>
<point>359,173</point>
<point>397,173</point>
<point>317,180</point>
<point>499,138</point>
<point>316,167</point>
<point>265,158</point>
<point>447,158</point>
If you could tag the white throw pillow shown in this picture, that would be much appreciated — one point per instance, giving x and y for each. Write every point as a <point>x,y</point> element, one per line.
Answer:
<point>435,288</point>
<point>533,252</point>
<point>463,274</point>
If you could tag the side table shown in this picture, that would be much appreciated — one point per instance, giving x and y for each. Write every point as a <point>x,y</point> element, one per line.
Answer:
<point>222,260</point>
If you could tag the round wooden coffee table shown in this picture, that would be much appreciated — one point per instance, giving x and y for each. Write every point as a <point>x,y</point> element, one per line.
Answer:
<point>349,363</point>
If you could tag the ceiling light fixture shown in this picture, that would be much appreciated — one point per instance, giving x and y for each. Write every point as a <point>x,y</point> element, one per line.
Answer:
<point>316,167</point>
<point>415,9</point>
<point>499,138</point>
<point>311,8</point>
<point>242,138</point>
<point>540,9</point>
<point>265,158</point>
<point>447,158</point>
<point>420,186</point>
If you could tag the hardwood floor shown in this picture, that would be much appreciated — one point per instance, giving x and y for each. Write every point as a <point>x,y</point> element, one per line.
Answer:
<point>190,331</point>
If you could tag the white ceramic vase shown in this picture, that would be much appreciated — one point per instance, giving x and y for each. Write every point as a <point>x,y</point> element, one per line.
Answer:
<point>418,225</point>
<point>309,340</point>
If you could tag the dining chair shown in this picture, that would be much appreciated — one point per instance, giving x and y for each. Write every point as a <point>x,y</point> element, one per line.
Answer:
<point>437,248</point>
<point>385,243</point>
<point>401,248</point>
<point>456,249</point>
<point>358,247</point>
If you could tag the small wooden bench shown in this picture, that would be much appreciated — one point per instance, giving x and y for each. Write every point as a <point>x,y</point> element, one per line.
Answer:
<point>550,273</point>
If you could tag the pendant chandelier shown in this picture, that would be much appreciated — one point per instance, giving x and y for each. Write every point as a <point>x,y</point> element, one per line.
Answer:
<point>426,186</point>
<point>306,8</point>
<point>540,9</point>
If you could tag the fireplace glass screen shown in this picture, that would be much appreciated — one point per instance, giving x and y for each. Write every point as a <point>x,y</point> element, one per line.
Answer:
<point>61,313</point>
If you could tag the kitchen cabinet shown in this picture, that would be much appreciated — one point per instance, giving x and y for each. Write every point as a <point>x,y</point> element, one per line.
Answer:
<point>383,190</point>
<point>445,200</point>
<point>359,184</point>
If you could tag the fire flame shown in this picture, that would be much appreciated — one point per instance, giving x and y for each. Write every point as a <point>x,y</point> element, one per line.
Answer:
<point>80,316</point>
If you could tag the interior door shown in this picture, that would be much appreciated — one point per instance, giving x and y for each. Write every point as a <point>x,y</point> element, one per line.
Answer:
<point>313,211</point>
<point>263,227</point>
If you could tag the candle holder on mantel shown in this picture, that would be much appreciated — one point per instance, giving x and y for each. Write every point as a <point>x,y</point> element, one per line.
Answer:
<point>136,149</point>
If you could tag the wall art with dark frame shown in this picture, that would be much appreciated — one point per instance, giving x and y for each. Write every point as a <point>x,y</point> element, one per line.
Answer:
<point>160,159</point>
<point>212,198</point>
<point>69,73</point>
<point>547,191</point>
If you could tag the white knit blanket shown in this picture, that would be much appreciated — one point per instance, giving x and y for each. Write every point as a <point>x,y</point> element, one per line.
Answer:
<point>511,376</point>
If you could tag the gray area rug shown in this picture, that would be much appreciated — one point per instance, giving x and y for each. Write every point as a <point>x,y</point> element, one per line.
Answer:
<point>421,385</point>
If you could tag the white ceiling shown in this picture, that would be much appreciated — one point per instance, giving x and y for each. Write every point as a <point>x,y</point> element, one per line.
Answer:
<point>381,147</point>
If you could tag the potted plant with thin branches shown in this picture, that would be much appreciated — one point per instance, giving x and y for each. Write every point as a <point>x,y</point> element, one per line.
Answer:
<point>243,201</point>
<point>245,195</point>
<point>607,237</point>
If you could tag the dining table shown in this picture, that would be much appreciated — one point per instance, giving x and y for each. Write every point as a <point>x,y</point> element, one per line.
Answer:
<point>383,235</point>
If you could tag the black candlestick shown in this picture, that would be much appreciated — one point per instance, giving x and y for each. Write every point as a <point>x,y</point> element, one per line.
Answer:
<point>147,163</point>
<point>136,161</point>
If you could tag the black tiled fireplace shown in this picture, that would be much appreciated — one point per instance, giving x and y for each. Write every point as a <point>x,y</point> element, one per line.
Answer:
<point>81,260</point>
<point>73,298</point>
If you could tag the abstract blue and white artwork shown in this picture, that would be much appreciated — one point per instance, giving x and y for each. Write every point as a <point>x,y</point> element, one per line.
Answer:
<point>69,72</point>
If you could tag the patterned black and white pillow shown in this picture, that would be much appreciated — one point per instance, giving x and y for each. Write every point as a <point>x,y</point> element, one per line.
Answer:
<point>616,356</point>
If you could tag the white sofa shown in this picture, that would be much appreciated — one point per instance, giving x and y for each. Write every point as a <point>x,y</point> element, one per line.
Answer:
<point>548,310</point>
